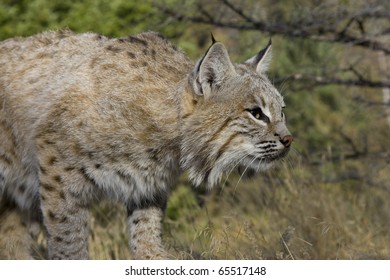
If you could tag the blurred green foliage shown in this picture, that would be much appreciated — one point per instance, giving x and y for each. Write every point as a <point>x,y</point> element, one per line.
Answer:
<point>109,17</point>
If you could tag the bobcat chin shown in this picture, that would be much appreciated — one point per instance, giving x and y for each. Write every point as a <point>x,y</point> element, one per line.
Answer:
<point>84,117</point>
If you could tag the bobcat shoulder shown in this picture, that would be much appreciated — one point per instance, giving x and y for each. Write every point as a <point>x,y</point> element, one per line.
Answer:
<point>84,117</point>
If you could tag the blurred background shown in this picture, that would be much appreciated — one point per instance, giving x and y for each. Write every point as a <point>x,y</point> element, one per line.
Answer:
<point>330,199</point>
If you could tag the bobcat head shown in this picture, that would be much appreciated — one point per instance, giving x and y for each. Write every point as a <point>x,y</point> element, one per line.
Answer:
<point>236,120</point>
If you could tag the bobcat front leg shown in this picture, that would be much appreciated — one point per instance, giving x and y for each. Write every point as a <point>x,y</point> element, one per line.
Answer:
<point>65,194</point>
<point>145,231</point>
<point>65,213</point>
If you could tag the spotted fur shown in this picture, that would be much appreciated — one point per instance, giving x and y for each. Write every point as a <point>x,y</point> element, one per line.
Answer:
<point>84,117</point>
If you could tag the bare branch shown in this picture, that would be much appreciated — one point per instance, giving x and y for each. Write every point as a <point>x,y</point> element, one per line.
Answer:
<point>320,80</point>
<point>356,72</point>
<point>322,29</point>
<point>370,102</point>
<point>204,12</point>
<point>343,27</point>
<point>238,11</point>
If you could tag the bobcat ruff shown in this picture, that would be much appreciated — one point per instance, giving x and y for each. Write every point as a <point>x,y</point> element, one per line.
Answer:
<point>85,117</point>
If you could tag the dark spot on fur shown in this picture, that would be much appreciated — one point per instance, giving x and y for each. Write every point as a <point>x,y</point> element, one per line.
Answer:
<point>51,215</point>
<point>87,177</point>
<point>48,187</point>
<point>43,170</point>
<point>80,124</point>
<point>74,194</point>
<point>136,221</point>
<point>145,64</point>
<point>69,168</point>
<point>57,178</point>
<point>22,188</point>
<point>153,52</point>
<point>98,37</point>
<point>58,239</point>
<point>144,232</point>
<point>170,68</point>
<point>49,142</point>
<point>138,78</point>
<point>52,160</point>
<point>136,40</point>
<point>77,148</point>
<point>145,51</point>
<point>63,220</point>
<point>6,159</point>
<point>113,49</point>
<point>90,154</point>
<point>62,195</point>
<point>68,242</point>
<point>153,153</point>
<point>98,165</point>
<point>131,55</point>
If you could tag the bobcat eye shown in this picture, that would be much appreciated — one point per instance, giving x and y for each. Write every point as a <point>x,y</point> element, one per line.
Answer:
<point>258,114</point>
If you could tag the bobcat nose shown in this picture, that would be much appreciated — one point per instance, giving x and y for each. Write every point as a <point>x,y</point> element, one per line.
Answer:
<point>287,140</point>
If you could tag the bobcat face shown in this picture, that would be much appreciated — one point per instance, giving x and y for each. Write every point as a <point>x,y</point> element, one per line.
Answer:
<point>237,120</point>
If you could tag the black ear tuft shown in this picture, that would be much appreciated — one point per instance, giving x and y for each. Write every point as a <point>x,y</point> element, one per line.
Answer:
<point>213,41</point>
<point>261,61</point>
<point>261,53</point>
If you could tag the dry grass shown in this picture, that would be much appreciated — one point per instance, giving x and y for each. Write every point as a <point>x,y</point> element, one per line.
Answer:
<point>291,213</point>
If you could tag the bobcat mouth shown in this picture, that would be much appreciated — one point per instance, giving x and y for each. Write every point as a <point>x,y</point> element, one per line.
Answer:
<point>247,167</point>
<point>278,155</point>
<point>263,162</point>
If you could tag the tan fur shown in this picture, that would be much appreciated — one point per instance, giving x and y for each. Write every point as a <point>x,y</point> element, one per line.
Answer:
<point>85,117</point>
<point>18,241</point>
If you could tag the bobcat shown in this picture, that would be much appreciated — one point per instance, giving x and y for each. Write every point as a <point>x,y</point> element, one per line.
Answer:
<point>85,117</point>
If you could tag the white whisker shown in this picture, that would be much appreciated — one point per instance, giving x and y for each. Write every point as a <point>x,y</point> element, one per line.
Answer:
<point>258,166</point>
<point>231,170</point>
<point>243,173</point>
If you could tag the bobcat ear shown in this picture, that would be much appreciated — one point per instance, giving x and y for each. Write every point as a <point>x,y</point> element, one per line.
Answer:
<point>211,70</point>
<point>261,61</point>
